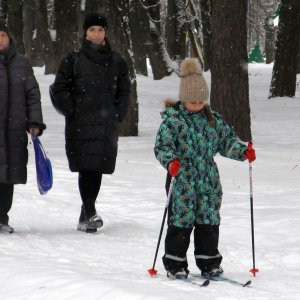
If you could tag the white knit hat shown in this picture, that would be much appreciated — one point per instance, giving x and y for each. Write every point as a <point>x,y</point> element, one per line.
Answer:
<point>193,86</point>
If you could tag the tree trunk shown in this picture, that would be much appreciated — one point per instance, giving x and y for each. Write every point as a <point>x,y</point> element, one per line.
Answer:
<point>66,27</point>
<point>95,5</point>
<point>80,17</point>
<point>205,17</point>
<point>15,21</point>
<point>269,40</point>
<point>229,69</point>
<point>43,39</point>
<point>29,8</point>
<point>138,27</point>
<point>284,75</point>
<point>3,9</point>
<point>153,9</point>
<point>156,49</point>
<point>51,15</point>
<point>129,127</point>
<point>194,29</point>
<point>298,55</point>
<point>158,54</point>
<point>176,29</point>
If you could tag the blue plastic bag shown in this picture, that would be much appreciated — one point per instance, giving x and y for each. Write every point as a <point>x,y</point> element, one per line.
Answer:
<point>43,167</point>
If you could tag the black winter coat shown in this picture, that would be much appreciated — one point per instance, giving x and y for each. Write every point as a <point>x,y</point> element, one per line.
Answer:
<point>20,109</point>
<point>91,90</point>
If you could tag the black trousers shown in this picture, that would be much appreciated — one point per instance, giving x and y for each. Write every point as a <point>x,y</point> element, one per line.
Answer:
<point>89,187</point>
<point>206,241</point>
<point>6,198</point>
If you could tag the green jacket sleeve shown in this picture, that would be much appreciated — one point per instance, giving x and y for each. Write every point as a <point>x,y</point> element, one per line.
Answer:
<point>229,143</point>
<point>165,149</point>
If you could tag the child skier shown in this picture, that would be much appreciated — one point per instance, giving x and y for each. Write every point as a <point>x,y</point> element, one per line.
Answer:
<point>189,136</point>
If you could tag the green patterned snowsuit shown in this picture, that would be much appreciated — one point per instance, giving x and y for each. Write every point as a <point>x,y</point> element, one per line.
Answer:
<point>197,192</point>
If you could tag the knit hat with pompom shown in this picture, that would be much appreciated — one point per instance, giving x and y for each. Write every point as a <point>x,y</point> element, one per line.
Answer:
<point>193,87</point>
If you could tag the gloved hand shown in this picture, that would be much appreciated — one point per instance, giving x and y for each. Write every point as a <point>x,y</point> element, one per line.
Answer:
<point>34,131</point>
<point>250,153</point>
<point>174,167</point>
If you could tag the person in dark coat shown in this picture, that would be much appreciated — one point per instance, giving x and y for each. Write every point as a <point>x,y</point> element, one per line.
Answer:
<point>91,90</point>
<point>20,110</point>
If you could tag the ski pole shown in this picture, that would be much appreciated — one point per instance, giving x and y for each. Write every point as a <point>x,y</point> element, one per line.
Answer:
<point>253,270</point>
<point>152,271</point>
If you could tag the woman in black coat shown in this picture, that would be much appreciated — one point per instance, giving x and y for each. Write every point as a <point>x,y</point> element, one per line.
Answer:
<point>20,110</point>
<point>91,90</point>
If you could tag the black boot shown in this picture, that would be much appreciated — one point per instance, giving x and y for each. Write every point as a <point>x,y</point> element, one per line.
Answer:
<point>180,273</point>
<point>6,228</point>
<point>212,271</point>
<point>90,225</point>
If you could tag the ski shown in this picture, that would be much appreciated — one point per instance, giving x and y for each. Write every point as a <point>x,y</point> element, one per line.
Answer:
<point>204,283</point>
<point>229,280</point>
<point>225,279</point>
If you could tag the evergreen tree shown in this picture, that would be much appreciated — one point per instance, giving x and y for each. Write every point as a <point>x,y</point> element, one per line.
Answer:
<point>255,56</point>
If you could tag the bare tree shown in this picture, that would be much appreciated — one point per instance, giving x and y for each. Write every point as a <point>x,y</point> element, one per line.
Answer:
<point>15,21</point>
<point>206,31</point>
<point>44,43</point>
<point>119,35</point>
<point>176,28</point>
<point>287,48</point>
<point>160,61</point>
<point>269,9</point>
<point>138,29</point>
<point>94,5</point>
<point>29,27</point>
<point>229,71</point>
<point>3,9</point>
<point>253,26</point>
<point>159,58</point>
<point>260,25</point>
<point>66,27</point>
<point>270,39</point>
<point>298,56</point>
<point>154,9</point>
<point>193,25</point>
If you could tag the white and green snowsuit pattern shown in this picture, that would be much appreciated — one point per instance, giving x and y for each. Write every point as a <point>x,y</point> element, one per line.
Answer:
<point>189,137</point>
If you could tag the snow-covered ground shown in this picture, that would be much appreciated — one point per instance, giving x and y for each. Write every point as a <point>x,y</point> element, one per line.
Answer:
<point>46,258</point>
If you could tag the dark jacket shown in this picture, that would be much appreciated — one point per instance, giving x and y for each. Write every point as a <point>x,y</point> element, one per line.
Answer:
<point>20,109</point>
<point>91,90</point>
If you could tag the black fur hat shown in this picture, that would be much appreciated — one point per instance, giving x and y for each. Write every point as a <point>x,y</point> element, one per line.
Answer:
<point>94,19</point>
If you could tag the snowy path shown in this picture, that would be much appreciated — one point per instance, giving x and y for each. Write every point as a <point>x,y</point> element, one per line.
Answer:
<point>46,258</point>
